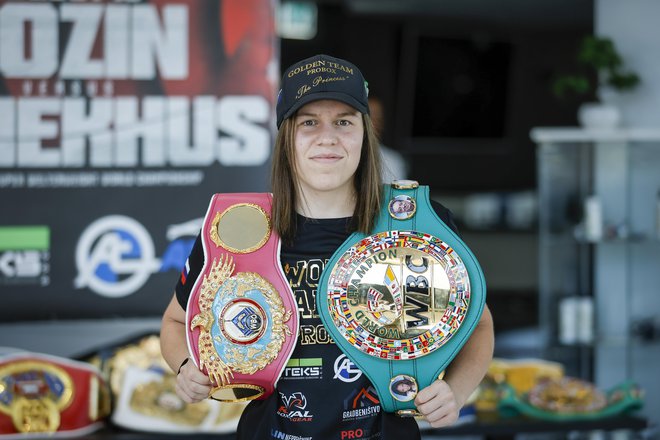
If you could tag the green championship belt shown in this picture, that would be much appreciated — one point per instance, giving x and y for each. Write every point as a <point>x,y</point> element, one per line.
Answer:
<point>571,399</point>
<point>401,302</point>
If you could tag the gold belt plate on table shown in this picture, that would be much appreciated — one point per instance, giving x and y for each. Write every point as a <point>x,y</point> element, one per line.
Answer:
<point>34,394</point>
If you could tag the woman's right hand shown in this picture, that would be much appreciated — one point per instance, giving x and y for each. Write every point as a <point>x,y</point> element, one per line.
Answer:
<point>191,384</point>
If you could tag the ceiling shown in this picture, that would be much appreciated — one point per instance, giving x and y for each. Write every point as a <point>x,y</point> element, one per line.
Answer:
<point>536,13</point>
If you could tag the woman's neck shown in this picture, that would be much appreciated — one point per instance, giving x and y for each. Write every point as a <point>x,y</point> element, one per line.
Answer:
<point>326,204</point>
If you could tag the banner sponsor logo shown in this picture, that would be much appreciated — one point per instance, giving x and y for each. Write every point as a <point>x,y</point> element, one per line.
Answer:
<point>24,255</point>
<point>115,255</point>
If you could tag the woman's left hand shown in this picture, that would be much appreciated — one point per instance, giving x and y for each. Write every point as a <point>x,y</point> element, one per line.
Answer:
<point>438,404</point>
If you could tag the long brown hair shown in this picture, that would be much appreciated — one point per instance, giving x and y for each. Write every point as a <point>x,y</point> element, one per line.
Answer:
<point>284,182</point>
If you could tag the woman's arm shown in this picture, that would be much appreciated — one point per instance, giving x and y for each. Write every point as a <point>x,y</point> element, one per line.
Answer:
<point>191,384</point>
<point>441,401</point>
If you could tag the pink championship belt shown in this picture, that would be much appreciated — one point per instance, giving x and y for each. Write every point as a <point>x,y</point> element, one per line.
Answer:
<point>241,318</point>
<point>42,394</point>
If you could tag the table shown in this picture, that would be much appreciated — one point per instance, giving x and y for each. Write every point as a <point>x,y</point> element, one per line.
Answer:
<point>493,427</point>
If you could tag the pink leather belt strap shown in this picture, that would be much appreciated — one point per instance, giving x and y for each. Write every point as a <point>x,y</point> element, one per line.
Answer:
<point>241,318</point>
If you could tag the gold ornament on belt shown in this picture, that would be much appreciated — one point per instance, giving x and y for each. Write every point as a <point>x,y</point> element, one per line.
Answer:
<point>242,322</point>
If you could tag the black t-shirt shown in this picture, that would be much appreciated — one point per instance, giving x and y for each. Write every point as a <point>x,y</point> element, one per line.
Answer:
<point>321,393</point>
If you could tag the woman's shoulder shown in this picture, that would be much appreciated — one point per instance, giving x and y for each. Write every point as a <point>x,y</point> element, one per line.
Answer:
<point>445,214</point>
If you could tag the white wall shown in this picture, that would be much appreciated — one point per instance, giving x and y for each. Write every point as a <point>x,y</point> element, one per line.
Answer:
<point>634,27</point>
<point>632,286</point>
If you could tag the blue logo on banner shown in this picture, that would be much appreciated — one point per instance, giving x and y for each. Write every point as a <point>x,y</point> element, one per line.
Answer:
<point>115,256</point>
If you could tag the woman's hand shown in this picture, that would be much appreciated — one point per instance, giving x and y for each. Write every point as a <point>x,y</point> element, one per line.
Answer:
<point>438,404</point>
<point>441,401</point>
<point>191,384</point>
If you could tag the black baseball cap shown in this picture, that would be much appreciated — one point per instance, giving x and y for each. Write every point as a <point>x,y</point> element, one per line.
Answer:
<point>321,77</point>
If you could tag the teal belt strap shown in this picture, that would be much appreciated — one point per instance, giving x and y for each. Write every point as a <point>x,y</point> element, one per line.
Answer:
<point>406,356</point>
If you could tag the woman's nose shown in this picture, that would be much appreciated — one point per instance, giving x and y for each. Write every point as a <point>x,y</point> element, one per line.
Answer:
<point>327,136</point>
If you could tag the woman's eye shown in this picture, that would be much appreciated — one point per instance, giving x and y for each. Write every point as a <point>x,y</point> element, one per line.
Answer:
<point>344,122</point>
<point>308,122</point>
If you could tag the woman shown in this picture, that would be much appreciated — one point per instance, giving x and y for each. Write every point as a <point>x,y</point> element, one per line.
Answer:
<point>326,184</point>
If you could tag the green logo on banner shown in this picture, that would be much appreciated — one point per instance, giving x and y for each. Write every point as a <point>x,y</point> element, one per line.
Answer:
<point>24,255</point>
<point>24,238</point>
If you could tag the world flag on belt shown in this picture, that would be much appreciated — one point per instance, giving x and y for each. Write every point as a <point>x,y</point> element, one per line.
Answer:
<point>393,286</point>
<point>373,298</point>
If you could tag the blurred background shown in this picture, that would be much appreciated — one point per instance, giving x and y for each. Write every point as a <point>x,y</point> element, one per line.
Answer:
<point>120,119</point>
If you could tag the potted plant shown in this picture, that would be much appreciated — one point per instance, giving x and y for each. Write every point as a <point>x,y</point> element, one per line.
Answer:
<point>599,59</point>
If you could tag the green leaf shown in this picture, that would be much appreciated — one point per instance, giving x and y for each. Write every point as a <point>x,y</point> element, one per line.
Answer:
<point>578,84</point>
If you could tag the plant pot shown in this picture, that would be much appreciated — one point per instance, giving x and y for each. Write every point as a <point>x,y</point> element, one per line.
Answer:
<point>599,115</point>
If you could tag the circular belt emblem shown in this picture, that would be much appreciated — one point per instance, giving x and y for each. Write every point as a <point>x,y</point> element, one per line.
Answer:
<point>402,207</point>
<point>242,325</point>
<point>398,294</point>
<point>403,388</point>
<point>243,321</point>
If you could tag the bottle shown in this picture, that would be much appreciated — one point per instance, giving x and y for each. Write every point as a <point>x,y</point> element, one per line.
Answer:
<point>593,219</point>
<point>568,320</point>
<point>657,216</point>
<point>585,320</point>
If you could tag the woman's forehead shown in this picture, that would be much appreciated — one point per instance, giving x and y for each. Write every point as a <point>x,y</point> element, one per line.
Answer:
<point>329,106</point>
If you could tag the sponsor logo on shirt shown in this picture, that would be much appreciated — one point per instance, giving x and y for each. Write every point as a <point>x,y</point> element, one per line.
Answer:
<point>346,370</point>
<point>294,407</point>
<point>274,433</point>
<point>358,434</point>
<point>361,404</point>
<point>304,368</point>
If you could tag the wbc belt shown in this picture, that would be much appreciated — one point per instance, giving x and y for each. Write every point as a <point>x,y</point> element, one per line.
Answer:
<point>401,302</point>
<point>41,394</point>
<point>241,317</point>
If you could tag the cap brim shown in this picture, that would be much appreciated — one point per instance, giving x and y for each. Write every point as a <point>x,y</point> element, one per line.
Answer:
<point>336,96</point>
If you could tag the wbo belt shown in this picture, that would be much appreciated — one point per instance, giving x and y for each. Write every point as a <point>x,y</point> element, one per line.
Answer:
<point>42,394</point>
<point>241,317</point>
<point>401,302</point>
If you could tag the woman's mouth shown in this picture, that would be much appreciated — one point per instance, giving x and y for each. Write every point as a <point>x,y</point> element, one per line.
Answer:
<point>326,157</point>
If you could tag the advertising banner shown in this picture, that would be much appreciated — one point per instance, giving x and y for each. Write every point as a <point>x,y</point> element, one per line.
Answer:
<point>118,121</point>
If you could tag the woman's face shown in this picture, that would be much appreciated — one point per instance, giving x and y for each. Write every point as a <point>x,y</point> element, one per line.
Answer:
<point>403,387</point>
<point>402,206</point>
<point>328,143</point>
